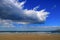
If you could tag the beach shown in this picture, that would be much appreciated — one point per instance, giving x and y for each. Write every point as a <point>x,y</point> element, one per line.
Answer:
<point>18,36</point>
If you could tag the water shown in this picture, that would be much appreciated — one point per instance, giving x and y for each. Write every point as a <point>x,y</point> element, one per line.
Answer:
<point>28,33</point>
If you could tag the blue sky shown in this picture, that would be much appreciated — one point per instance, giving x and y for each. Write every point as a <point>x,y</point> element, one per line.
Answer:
<point>51,6</point>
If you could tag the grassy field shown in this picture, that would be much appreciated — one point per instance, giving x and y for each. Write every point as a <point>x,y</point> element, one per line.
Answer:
<point>29,36</point>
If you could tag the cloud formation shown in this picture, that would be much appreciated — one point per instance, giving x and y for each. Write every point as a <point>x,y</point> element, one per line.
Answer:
<point>6,23</point>
<point>13,10</point>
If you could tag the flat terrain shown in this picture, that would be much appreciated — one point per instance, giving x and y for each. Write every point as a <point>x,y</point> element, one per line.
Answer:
<point>29,36</point>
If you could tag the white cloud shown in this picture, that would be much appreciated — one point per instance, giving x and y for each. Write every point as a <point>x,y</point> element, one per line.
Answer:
<point>10,8</point>
<point>6,23</point>
<point>35,8</point>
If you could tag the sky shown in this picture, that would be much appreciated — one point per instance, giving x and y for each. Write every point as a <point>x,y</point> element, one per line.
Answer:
<point>52,6</point>
<point>23,15</point>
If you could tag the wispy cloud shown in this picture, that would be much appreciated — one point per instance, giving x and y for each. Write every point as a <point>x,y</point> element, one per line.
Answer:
<point>54,6</point>
<point>6,23</point>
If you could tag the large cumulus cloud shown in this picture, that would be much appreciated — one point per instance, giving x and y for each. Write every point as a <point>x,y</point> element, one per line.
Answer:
<point>13,10</point>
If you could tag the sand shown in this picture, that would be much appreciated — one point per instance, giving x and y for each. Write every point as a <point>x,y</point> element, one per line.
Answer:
<point>29,36</point>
